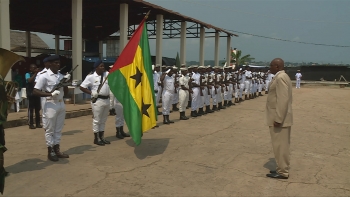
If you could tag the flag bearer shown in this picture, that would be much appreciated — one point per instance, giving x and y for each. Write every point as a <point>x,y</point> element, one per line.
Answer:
<point>99,100</point>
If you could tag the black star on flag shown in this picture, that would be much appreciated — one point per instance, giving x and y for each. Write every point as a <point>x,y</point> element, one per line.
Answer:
<point>137,77</point>
<point>144,108</point>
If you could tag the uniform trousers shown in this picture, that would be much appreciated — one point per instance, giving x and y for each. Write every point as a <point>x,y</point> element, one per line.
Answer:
<point>213,95</point>
<point>195,98</point>
<point>111,100</point>
<point>54,114</point>
<point>280,137</point>
<point>100,110</point>
<point>167,99</point>
<point>252,84</point>
<point>119,118</point>
<point>267,85</point>
<point>183,99</point>
<point>43,101</point>
<point>237,90</point>
<point>218,95</point>
<point>247,87</point>
<point>206,96</point>
<point>241,88</point>
<point>158,95</point>
<point>202,99</point>
<point>176,97</point>
<point>226,92</point>
<point>260,87</point>
<point>230,92</point>
<point>298,83</point>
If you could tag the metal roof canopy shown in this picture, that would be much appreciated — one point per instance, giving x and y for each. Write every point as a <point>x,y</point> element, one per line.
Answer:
<point>100,18</point>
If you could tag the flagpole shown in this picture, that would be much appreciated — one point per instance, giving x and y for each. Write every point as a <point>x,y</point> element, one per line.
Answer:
<point>144,18</point>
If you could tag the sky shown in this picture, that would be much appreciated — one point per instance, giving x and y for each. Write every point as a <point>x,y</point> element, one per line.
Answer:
<point>312,21</point>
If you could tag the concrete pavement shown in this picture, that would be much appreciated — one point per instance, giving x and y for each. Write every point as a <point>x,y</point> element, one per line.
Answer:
<point>226,153</point>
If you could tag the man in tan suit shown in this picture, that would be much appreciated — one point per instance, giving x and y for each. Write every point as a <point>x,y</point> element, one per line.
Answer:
<point>280,117</point>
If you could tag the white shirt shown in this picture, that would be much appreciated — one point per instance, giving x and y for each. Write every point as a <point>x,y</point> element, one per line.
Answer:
<point>48,81</point>
<point>247,74</point>
<point>183,81</point>
<point>298,76</point>
<point>168,84</point>
<point>39,73</point>
<point>270,76</point>
<point>93,81</point>
<point>196,77</point>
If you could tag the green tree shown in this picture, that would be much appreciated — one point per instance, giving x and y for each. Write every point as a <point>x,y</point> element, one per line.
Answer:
<point>237,58</point>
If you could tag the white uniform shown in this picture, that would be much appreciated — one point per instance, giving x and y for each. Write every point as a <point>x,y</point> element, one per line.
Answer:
<point>247,82</point>
<point>218,90</point>
<point>183,94</point>
<point>168,93</point>
<point>42,99</point>
<point>119,118</point>
<point>212,93</point>
<point>268,80</point>
<point>111,100</point>
<point>242,84</point>
<point>298,78</point>
<point>54,111</point>
<point>100,108</point>
<point>202,98</point>
<point>156,79</point>
<point>196,94</point>
<point>206,91</point>
<point>176,95</point>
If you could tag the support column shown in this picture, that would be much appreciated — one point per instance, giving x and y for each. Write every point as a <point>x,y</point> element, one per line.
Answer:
<point>100,49</point>
<point>216,53</point>
<point>228,50</point>
<point>159,40</point>
<point>123,29</point>
<point>5,30</point>
<point>28,44</point>
<point>183,43</point>
<point>57,44</point>
<point>201,46</point>
<point>77,38</point>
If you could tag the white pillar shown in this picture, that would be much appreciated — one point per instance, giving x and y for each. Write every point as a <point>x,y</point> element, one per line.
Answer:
<point>123,29</point>
<point>159,40</point>
<point>201,46</point>
<point>100,49</point>
<point>57,44</point>
<point>216,53</point>
<point>77,38</point>
<point>183,43</point>
<point>28,44</point>
<point>228,50</point>
<point>5,29</point>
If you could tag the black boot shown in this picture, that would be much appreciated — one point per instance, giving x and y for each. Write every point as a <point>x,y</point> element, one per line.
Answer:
<point>175,108</point>
<point>101,135</point>
<point>97,140</point>
<point>200,111</point>
<point>112,112</point>
<point>246,97</point>
<point>182,116</point>
<point>221,107</point>
<point>167,116</point>
<point>118,133</point>
<point>123,133</point>
<point>165,120</point>
<point>240,99</point>
<point>266,92</point>
<point>230,103</point>
<point>215,108</point>
<point>51,154</point>
<point>58,153</point>
<point>208,110</point>
<point>197,114</point>
<point>225,103</point>
<point>260,94</point>
<point>193,114</point>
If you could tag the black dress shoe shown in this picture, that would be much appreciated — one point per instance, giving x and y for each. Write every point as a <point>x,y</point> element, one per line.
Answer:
<point>276,176</point>
<point>273,171</point>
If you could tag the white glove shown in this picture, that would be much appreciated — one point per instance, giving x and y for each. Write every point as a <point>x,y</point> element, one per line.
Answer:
<point>94,94</point>
<point>67,77</point>
<point>55,93</point>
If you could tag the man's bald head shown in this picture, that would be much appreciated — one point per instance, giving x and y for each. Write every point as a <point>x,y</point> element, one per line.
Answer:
<point>276,65</point>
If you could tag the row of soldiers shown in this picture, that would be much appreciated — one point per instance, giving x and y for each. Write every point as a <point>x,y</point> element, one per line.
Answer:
<point>197,87</point>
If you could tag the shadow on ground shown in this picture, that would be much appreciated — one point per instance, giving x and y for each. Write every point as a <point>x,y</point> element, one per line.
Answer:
<point>72,132</point>
<point>271,164</point>
<point>149,147</point>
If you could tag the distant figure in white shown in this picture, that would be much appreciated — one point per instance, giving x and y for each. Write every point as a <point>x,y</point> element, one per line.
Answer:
<point>298,78</point>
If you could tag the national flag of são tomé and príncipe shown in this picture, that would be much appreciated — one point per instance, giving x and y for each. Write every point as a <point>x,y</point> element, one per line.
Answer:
<point>131,81</point>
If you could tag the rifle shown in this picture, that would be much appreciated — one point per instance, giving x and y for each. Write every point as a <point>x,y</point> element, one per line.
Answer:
<point>62,83</point>
<point>93,100</point>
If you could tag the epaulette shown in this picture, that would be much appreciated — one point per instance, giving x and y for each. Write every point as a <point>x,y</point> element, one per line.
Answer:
<point>43,72</point>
